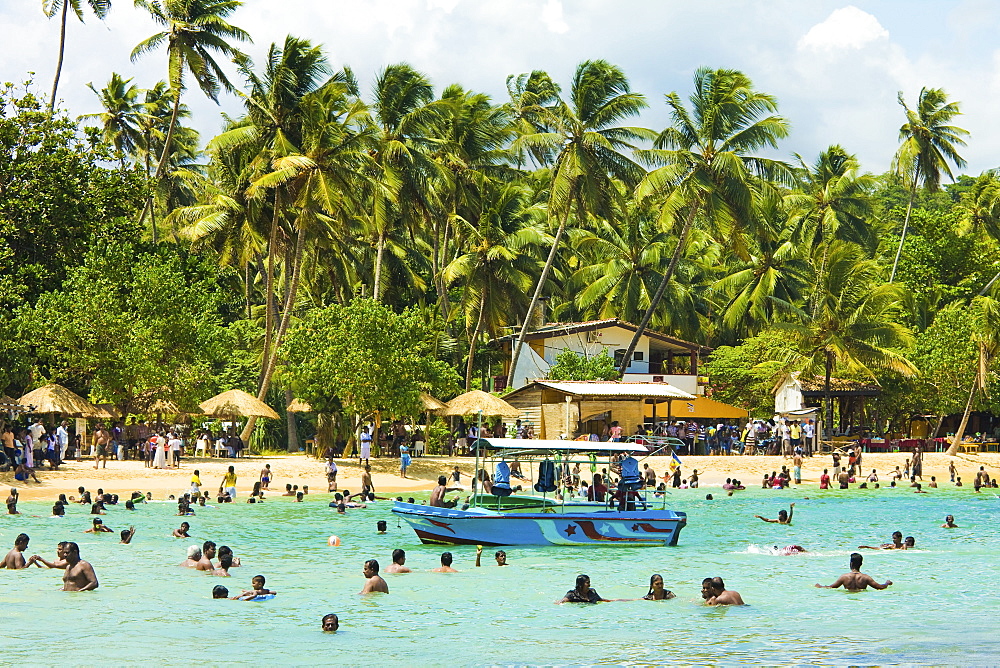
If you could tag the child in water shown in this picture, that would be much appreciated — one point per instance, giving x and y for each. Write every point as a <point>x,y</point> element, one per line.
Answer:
<point>258,590</point>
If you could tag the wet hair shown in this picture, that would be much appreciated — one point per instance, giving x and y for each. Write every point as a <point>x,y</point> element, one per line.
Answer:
<point>910,540</point>
<point>442,480</point>
<point>224,550</point>
<point>410,500</point>
<point>446,558</point>
<point>58,509</point>
<point>332,617</point>
<point>219,591</point>
<point>185,524</point>
<point>718,584</point>
<point>226,560</point>
<point>263,581</point>
<point>129,505</point>
<point>398,554</point>
<point>500,553</point>
<point>72,547</point>
<point>208,544</point>
<point>21,538</point>
<point>381,525</point>
<point>372,564</point>
<point>651,578</point>
<point>782,513</point>
<point>856,561</point>
<point>897,533</point>
<point>298,496</point>
<point>582,579</point>
<point>125,533</point>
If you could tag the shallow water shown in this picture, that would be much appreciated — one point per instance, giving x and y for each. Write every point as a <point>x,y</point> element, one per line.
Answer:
<point>940,609</point>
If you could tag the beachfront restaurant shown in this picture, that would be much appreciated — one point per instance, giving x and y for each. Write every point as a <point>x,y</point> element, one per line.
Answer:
<point>571,409</point>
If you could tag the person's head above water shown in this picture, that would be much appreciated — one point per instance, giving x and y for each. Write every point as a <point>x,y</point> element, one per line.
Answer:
<point>194,552</point>
<point>582,582</point>
<point>398,556</point>
<point>910,541</point>
<point>330,623</point>
<point>706,588</point>
<point>381,526</point>
<point>226,561</point>
<point>856,561</point>
<point>218,591</point>
<point>208,549</point>
<point>501,558</point>
<point>258,581</point>
<point>442,480</point>
<point>371,568</point>
<point>783,515</point>
<point>655,579</point>
<point>446,558</point>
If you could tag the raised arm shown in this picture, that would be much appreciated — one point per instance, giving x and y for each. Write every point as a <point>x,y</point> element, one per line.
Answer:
<point>791,511</point>
<point>479,555</point>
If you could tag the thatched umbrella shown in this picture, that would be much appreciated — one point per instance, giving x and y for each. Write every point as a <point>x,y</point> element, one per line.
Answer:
<point>430,403</point>
<point>299,406</point>
<point>237,403</point>
<point>106,412</point>
<point>57,399</point>
<point>478,401</point>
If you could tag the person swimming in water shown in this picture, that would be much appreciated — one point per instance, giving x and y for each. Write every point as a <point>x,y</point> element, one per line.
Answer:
<point>783,517</point>
<point>374,582</point>
<point>193,557</point>
<point>381,526</point>
<point>896,544</point>
<point>949,522</point>
<point>15,558</point>
<point>445,566</point>
<point>256,589</point>
<point>398,562</point>
<point>79,575</point>
<point>500,556</point>
<point>330,623</point>
<point>714,591</point>
<point>656,590</point>
<point>127,535</point>
<point>182,532</point>
<point>582,593</point>
<point>98,527</point>
<point>856,580</point>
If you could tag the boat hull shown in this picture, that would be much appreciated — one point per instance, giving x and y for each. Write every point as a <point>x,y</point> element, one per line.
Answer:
<point>580,525</point>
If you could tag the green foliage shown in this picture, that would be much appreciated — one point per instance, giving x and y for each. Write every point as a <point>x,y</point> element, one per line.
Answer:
<point>364,358</point>
<point>131,319</point>
<point>573,366</point>
<point>745,375</point>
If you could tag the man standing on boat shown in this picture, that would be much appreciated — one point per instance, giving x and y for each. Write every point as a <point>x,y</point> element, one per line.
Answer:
<point>631,480</point>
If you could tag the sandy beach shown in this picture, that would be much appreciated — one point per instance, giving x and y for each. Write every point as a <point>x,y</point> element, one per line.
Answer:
<point>126,476</point>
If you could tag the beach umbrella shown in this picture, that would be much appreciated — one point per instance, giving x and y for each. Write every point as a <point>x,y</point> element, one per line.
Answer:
<point>299,406</point>
<point>57,399</point>
<point>106,412</point>
<point>430,403</point>
<point>478,401</point>
<point>237,403</point>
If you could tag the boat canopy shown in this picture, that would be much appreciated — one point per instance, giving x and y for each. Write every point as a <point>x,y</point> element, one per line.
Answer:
<point>528,445</point>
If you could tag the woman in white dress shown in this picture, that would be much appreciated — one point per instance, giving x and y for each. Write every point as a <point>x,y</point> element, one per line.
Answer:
<point>159,453</point>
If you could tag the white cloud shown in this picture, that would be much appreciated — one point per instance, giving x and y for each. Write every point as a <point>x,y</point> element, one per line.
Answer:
<point>552,17</point>
<point>845,28</point>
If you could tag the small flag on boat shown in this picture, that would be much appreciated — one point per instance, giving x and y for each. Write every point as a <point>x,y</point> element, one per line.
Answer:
<point>675,462</point>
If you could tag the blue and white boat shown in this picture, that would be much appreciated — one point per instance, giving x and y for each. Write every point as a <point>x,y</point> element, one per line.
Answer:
<point>542,520</point>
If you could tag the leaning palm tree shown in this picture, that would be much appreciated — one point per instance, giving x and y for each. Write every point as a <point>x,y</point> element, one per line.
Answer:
<point>195,30</point>
<point>986,335</point>
<point>122,116</point>
<point>929,143</point>
<point>706,167</point>
<point>51,7</point>
<point>589,150</point>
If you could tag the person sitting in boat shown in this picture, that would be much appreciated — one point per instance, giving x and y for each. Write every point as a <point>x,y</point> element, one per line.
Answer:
<point>598,491</point>
<point>501,479</point>
<point>484,481</point>
<point>631,480</point>
<point>437,495</point>
<point>515,469</point>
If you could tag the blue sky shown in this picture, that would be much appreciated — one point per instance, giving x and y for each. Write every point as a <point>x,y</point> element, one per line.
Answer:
<point>834,67</point>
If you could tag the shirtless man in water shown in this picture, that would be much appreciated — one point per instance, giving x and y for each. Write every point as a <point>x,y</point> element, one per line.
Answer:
<point>856,580</point>
<point>398,561</point>
<point>896,544</point>
<point>15,558</point>
<point>715,593</point>
<point>374,582</point>
<point>783,517</point>
<point>949,522</point>
<point>60,561</point>
<point>437,496</point>
<point>207,554</point>
<point>445,566</point>
<point>79,575</point>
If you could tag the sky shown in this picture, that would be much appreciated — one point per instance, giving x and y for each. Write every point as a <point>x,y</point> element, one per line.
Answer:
<point>834,67</point>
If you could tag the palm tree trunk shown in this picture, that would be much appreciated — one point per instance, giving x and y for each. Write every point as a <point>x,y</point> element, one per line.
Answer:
<point>826,394</point>
<point>293,430</point>
<point>271,361</point>
<point>953,448</point>
<point>549,261</point>
<point>149,197</point>
<point>906,223</point>
<point>654,302</point>
<point>472,343</point>
<point>164,154</point>
<point>246,288</point>
<point>377,288</point>
<point>62,49</point>
<point>272,243</point>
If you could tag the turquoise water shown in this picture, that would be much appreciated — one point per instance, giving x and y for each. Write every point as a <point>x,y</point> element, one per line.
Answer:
<point>941,609</point>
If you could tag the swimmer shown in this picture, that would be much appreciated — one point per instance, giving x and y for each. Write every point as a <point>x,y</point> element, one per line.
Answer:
<point>257,584</point>
<point>60,561</point>
<point>381,526</point>
<point>15,558</point>
<point>225,563</point>
<point>445,566</point>
<point>500,556</point>
<point>856,580</point>
<point>909,543</point>
<point>783,517</point>
<point>717,594</point>
<point>374,582</point>
<point>193,557</point>
<point>656,590</point>
<point>789,550</point>
<point>182,531</point>
<point>582,593</point>
<point>127,535</point>
<point>224,550</point>
<point>98,527</point>
<point>896,544</point>
<point>949,522</point>
<point>218,591</point>
<point>330,623</point>
<point>207,554</point>
<point>79,575</point>
<point>398,563</point>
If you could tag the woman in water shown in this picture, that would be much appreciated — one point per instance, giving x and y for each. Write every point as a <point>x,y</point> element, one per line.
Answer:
<point>656,590</point>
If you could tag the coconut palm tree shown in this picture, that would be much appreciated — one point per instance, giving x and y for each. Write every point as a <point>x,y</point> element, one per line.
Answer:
<point>195,30</point>
<point>589,151</point>
<point>51,8</point>
<point>705,167</point>
<point>929,143</point>
<point>986,315</point>
<point>855,327</point>
<point>122,116</point>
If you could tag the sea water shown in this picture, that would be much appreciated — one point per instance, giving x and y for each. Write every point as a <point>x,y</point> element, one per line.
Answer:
<point>941,609</point>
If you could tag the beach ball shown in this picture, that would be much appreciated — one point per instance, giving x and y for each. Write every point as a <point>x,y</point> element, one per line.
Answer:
<point>333,541</point>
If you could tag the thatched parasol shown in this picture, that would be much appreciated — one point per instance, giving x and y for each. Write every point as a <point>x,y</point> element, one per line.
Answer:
<point>478,401</point>
<point>106,412</point>
<point>159,407</point>
<point>237,403</point>
<point>299,406</point>
<point>6,401</point>
<point>57,399</point>
<point>430,403</point>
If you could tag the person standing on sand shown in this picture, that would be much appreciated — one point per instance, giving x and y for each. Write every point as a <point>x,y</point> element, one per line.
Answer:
<point>917,468</point>
<point>952,470</point>
<point>856,580</point>
<point>374,582</point>
<point>331,475</point>
<point>102,440</point>
<point>836,465</point>
<point>404,460</point>
<point>265,476</point>
<point>79,575</point>
<point>366,445</point>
